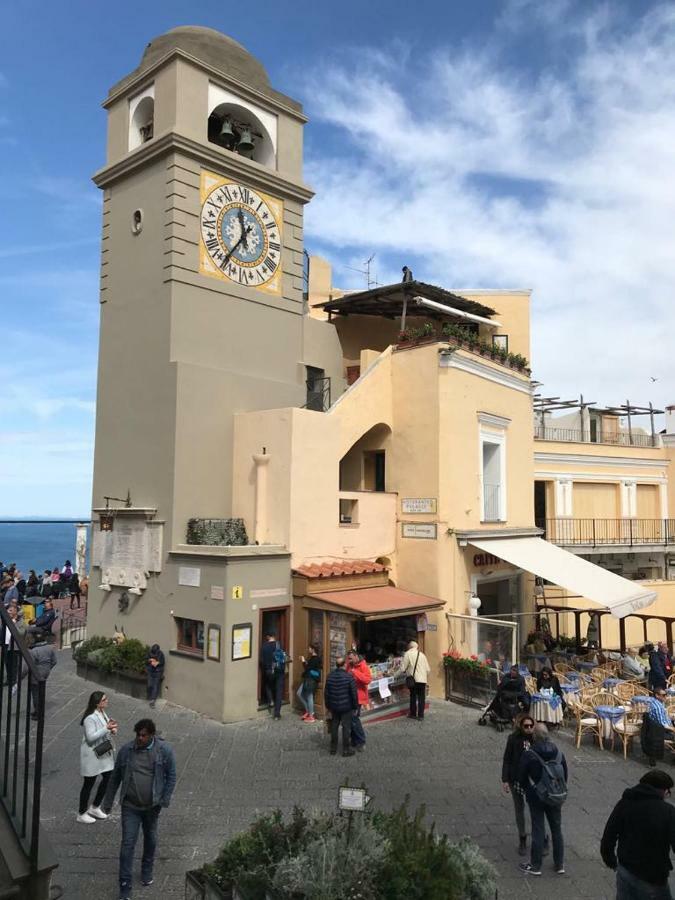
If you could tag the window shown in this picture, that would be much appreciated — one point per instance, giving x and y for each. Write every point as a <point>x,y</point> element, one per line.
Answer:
<point>492,462</point>
<point>190,636</point>
<point>318,389</point>
<point>501,341</point>
<point>349,511</point>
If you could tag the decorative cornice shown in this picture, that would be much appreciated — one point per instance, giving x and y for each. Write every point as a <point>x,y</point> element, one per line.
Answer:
<point>272,100</point>
<point>588,460</point>
<point>454,360</point>
<point>207,154</point>
<point>493,420</point>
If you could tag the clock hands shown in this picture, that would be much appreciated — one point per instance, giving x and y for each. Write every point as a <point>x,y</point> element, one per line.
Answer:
<point>245,231</point>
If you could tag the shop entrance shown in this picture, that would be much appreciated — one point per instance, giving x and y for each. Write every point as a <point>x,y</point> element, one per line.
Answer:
<point>380,639</point>
<point>498,597</point>
<point>273,621</point>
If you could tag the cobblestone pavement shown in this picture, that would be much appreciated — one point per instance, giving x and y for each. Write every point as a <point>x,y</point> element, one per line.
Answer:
<point>228,772</point>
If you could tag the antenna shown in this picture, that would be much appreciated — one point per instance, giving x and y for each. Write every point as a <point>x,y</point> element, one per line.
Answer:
<point>370,281</point>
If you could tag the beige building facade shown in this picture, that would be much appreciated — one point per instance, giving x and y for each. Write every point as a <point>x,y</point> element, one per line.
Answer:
<point>238,387</point>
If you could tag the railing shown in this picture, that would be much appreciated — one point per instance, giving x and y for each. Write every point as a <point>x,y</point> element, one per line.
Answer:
<point>73,631</point>
<point>491,502</point>
<point>20,744</point>
<point>618,438</point>
<point>318,394</point>
<point>601,532</point>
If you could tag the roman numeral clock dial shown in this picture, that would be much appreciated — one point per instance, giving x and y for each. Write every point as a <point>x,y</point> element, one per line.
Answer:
<point>240,234</point>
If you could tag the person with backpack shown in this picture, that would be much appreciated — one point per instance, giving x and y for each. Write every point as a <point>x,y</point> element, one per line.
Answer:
<point>273,661</point>
<point>542,774</point>
<point>643,825</point>
<point>311,676</point>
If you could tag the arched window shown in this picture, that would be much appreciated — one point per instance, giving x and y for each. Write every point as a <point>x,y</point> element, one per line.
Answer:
<point>238,129</point>
<point>141,118</point>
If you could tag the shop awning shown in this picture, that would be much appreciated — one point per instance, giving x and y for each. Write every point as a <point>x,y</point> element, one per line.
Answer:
<point>619,595</point>
<point>379,602</point>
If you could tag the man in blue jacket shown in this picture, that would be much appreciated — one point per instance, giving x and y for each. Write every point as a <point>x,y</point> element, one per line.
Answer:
<point>342,702</point>
<point>146,770</point>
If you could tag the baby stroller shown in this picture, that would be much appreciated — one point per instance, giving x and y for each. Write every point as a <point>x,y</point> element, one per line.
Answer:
<point>509,701</point>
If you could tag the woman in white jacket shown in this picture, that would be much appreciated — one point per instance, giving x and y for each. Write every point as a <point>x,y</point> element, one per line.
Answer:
<point>98,728</point>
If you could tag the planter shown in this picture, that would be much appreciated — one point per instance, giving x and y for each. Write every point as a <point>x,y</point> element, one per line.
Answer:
<point>470,688</point>
<point>129,683</point>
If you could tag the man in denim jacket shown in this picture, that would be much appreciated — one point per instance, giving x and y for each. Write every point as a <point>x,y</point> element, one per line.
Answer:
<point>146,770</point>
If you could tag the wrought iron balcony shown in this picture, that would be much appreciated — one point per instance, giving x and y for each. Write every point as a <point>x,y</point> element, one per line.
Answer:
<point>617,438</point>
<point>318,394</point>
<point>608,532</point>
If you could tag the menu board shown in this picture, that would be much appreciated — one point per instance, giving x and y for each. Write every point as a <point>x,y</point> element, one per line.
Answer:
<point>338,632</point>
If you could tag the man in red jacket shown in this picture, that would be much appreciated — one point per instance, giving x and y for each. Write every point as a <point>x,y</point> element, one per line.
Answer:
<point>360,671</point>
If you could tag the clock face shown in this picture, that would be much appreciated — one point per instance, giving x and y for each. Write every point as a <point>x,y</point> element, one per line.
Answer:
<point>241,235</point>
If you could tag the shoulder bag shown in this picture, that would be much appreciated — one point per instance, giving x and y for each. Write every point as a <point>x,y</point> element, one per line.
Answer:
<point>105,746</point>
<point>410,679</point>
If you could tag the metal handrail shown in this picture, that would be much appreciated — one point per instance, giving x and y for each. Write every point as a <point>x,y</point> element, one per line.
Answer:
<point>576,435</point>
<point>20,785</point>
<point>605,532</point>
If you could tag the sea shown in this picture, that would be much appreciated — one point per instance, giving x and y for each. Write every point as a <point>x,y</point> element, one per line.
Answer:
<point>39,544</point>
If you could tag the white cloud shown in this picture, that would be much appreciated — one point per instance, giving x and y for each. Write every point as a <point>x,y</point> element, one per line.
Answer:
<point>561,183</point>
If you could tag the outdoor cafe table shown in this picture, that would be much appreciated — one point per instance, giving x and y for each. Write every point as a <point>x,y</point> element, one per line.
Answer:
<point>547,708</point>
<point>611,683</point>
<point>587,665</point>
<point>607,715</point>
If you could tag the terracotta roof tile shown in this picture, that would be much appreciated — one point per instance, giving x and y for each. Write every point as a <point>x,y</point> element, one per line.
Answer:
<point>339,567</point>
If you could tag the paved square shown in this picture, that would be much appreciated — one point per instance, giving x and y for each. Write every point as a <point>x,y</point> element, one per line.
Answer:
<point>228,772</point>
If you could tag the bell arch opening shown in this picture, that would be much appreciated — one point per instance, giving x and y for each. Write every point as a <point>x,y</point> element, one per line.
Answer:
<point>239,130</point>
<point>142,122</point>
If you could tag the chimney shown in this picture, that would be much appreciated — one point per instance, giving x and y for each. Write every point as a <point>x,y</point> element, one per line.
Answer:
<point>670,419</point>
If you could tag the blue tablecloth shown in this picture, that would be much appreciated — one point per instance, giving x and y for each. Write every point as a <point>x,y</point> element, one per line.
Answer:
<point>611,682</point>
<point>587,665</point>
<point>570,688</point>
<point>610,712</point>
<point>553,700</point>
<point>640,699</point>
<point>670,691</point>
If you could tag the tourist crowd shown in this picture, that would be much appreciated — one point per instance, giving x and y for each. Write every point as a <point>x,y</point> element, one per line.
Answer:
<point>52,584</point>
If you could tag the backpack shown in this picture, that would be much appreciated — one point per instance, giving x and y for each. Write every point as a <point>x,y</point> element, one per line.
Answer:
<point>280,659</point>
<point>551,789</point>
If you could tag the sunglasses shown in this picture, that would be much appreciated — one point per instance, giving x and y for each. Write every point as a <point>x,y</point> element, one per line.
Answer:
<point>527,725</point>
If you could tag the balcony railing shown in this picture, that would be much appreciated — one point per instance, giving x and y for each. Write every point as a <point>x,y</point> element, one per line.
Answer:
<point>492,502</point>
<point>618,438</point>
<point>21,739</point>
<point>607,532</point>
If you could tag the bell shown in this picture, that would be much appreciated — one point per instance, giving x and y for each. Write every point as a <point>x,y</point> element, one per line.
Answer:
<point>245,144</point>
<point>227,136</point>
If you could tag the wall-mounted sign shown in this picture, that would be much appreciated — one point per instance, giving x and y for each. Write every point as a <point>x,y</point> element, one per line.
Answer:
<point>237,591</point>
<point>241,641</point>
<point>213,643</point>
<point>268,592</point>
<point>189,576</point>
<point>418,505</point>
<point>424,532</point>
<point>486,559</point>
<point>217,592</point>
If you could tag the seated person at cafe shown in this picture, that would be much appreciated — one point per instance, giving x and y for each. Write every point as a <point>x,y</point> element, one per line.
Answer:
<point>44,622</point>
<point>631,665</point>
<point>656,727</point>
<point>548,683</point>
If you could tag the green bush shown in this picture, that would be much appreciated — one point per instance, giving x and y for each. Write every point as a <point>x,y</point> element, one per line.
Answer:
<point>378,856</point>
<point>129,656</point>
<point>95,643</point>
<point>103,652</point>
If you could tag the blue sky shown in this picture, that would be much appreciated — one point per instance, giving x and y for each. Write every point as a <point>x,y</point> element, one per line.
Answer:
<point>512,144</point>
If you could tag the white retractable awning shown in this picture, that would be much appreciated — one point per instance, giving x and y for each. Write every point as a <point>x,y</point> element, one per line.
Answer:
<point>621,596</point>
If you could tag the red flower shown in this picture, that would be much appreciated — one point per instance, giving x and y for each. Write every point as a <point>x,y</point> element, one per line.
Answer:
<point>474,657</point>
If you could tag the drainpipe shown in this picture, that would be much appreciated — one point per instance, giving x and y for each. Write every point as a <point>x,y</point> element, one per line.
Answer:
<point>261,461</point>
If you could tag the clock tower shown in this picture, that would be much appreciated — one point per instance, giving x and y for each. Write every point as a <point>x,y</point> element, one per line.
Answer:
<point>201,302</point>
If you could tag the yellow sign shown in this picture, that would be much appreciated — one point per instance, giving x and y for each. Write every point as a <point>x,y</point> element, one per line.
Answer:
<point>237,591</point>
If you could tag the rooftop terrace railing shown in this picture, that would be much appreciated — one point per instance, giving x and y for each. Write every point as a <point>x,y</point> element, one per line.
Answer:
<point>601,532</point>
<point>617,438</point>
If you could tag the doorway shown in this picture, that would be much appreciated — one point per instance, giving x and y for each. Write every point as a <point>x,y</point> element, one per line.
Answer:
<point>273,621</point>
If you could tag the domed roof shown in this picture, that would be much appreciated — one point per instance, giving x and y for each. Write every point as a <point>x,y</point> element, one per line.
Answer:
<point>211,47</point>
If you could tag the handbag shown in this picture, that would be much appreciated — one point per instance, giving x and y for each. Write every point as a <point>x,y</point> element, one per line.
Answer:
<point>410,679</point>
<point>104,747</point>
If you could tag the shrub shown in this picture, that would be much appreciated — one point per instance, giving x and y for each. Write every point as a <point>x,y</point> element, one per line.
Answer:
<point>82,652</point>
<point>129,656</point>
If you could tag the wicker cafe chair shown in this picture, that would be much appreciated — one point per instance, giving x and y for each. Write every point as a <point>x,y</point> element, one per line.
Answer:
<point>628,689</point>
<point>530,684</point>
<point>598,674</point>
<point>604,698</point>
<point>563,668</point>
<point>626,729</point>
<point>587,722</point>
<point>671,680</point>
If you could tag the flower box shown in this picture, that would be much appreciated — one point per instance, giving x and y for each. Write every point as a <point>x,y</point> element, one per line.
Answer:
<point>130,683</point>
<point>471,687</point>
